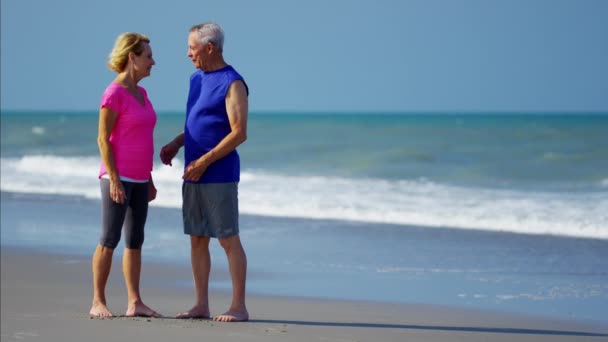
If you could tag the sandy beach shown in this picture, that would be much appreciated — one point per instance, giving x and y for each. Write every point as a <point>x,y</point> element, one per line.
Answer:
<point>46,297</point>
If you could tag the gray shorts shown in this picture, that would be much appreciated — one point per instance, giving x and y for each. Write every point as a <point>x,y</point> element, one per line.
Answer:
<point>210,209</point>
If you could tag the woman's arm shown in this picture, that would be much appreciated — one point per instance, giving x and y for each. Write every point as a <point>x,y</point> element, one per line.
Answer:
<point>107,119</point>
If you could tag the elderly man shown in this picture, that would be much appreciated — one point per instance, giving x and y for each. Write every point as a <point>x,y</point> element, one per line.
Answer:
<point>216,123</point>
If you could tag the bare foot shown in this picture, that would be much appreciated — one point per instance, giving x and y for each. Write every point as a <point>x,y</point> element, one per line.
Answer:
<point>195,312</point>
<point>141,310</point>
<point>232,316</point>
<point>100,310</point>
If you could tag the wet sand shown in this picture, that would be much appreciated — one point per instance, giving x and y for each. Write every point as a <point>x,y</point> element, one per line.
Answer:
<point>46,297</point>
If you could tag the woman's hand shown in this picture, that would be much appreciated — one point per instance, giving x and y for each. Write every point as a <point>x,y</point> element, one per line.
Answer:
<point>152,192</point>
<point>117,192</point>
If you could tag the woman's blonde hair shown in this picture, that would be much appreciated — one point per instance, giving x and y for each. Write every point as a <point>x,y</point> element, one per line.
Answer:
<point>126,43</point>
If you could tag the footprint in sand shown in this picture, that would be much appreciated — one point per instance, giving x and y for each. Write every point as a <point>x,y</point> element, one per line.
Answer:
<point>21,335</point>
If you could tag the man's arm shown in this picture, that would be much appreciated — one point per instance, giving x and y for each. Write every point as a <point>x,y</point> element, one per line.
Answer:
<point>237,107</point>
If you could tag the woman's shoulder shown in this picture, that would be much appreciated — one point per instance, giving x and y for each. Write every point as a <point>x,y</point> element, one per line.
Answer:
<point>113,88</point>
<point>114,93</point>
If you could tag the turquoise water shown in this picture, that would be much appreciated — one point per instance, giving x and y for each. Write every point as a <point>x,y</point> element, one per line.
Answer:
<point>524,173</point>
<point>560,151</point>
<point>476,150</point>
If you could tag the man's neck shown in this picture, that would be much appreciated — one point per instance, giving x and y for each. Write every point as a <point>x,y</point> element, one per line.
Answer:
<point>216,65</point>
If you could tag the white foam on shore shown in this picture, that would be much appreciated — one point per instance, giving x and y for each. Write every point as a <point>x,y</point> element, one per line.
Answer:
<point>408,202</point>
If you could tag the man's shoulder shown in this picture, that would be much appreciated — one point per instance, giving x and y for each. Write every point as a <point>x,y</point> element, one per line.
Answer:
<point>230,69</point>
<point>233,76</point>
<point>196,74</point>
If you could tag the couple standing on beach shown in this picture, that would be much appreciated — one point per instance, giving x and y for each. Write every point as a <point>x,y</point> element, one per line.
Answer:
<point>216,123</point>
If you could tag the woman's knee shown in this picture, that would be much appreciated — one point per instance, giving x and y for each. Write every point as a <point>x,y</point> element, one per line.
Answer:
<point>134,241</point>
<point>109,240</point>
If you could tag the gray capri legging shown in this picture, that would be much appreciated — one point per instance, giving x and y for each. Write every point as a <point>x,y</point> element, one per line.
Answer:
<point>132,214</point>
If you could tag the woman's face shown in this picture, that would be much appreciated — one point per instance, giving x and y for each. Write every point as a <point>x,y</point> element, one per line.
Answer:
<point>144,62</point>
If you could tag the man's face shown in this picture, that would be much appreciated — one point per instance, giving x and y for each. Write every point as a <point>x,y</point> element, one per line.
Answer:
<point>197,52</point>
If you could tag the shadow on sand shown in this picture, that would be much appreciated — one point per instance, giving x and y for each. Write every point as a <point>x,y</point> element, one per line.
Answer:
<point>432,327</point>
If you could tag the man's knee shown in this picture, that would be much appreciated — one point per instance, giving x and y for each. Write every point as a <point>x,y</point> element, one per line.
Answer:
<point>197,242</point>
<point>231,242</point>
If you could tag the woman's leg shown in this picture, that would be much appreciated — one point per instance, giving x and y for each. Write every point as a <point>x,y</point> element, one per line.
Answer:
<point>112,218</point>
<point>102,263</point>
<point>134,239</point>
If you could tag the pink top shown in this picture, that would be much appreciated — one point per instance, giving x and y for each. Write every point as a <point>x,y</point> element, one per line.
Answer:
<point>132,138</point>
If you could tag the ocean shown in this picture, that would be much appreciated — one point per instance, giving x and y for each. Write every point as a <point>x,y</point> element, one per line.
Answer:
<point>497,211</point>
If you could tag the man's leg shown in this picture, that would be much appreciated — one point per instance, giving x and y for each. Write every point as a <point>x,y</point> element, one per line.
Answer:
<point>201,266</point>
<point>237,261</point>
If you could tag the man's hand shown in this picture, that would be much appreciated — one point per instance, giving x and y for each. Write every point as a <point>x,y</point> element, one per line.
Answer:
<point>168,152</point>
<point>195,170</point>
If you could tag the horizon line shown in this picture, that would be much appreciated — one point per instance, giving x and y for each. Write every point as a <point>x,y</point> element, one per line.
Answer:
<point>317,112</point>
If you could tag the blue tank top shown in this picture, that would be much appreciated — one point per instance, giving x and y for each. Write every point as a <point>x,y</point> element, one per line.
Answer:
<point>207,123</point>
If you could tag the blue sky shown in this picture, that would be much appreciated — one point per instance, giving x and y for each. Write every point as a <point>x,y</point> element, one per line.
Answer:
<point>315,55</point>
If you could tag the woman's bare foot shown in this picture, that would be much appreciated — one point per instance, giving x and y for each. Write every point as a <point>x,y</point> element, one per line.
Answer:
<point>141,310</point>
<point>232,316</point>
<point>195,312</point>
<point>100,310</point>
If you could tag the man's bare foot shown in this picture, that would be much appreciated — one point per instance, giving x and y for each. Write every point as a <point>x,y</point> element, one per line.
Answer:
<point>195,312</point>
<point>100,310</point>
<point>141,310</point>
<point>232,316</point>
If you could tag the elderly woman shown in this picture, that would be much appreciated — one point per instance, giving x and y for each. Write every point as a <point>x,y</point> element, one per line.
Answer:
<point>126,145</point>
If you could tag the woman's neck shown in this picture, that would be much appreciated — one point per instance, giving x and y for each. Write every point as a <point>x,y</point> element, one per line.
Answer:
<point>127,80</point>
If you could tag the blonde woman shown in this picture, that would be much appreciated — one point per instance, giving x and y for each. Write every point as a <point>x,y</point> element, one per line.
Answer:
<point>126,145</point>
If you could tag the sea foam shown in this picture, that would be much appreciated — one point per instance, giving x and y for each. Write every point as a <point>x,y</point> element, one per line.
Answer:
<point>405,202</point>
